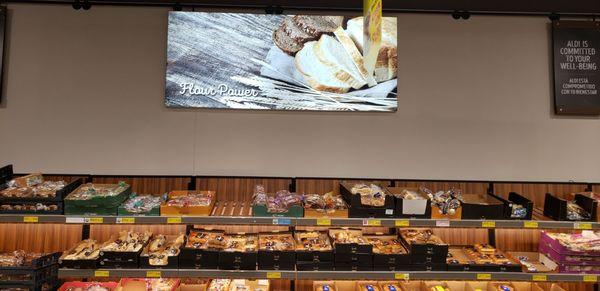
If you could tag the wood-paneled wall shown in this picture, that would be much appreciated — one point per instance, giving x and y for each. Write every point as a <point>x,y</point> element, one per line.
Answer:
<point>240,189</point>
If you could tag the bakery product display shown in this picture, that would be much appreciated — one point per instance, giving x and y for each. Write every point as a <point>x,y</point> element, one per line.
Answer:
<point>352,251</point>
<point>313,251</point>
<point>33,187</point>
<point>370,195</point>
<point>240,252</point>
<point>162,251</point>
<point>122,250</point>
<point>480,257</point>
<point>83,255</point>
<point>327,205</point>
<point>88,286</point>
<point>202,248</point>
<point>572,252</point>
<point>248,285</point>
<point>444,204</point>
<point>276,251</point>
<point>219,285</point>
<point>148,205</point>
<point>193,203</point>
<point>410,202</point>
<point>149,284</point>
<point>581,208</point>
<point>388,253</point>
<point>96,199</point>
<point>282,203</point>
<point>427,251</point>
<point>366,199</point>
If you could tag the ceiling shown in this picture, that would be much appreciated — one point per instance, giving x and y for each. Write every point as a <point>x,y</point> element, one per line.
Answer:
<point>585,7</point>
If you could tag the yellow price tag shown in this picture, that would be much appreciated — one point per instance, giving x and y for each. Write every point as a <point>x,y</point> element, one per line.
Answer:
<point>95,220</point>
<point>402,223</point>
<point>539,278</point>
<point>324,221</point>
<point>101,273</point>
<point>590,278</point>
<point>583,225</point>
<point>174,220</point>
<point>530,224</point>
<point>273,275</point>
<point>30,219</point>
<point>484,276</point>
<point>126,220</point>
<point>372,222</point>
<point>402,276</point>
<point>488,224</point>
<point>153,274</point>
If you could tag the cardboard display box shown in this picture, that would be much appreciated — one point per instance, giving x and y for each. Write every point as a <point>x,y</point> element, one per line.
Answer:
<point>168,210</point>
<point>410,208</point>
<point>556,208</point>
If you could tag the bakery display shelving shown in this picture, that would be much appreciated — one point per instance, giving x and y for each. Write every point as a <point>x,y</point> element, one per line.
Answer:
<point>328,275</point>
<point>297,221</point>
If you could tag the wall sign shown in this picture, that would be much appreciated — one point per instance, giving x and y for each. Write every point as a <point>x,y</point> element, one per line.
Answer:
<point>576,67</point>
<point>281,62</point>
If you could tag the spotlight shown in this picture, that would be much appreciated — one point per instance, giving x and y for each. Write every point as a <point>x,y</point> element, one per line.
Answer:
<point>177,7</point>
<point>465,15</point>
<point>86,5</point>
<point>77,5</point>
<point>456,14</point>
<point>554,17</point>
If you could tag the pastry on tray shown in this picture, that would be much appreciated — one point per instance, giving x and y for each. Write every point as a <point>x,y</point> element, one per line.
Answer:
<point>142,203</point>
<point>326,203</point>
<point>241,243</point>
<point>206,239</point>
<point>312,241</point>
<point>386,244</point>
<point>161,247</point>
<point>276,242</point>
<point>18,258</point>
<point>347,236</point>
<point>219,285</point>
<point>127,241</point>
<point>421,236</point>
<point>370,195</point>
<point>88,249</point>
<point>32,186</point>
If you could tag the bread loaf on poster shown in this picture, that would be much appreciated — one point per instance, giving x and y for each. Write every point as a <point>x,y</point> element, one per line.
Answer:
<point>294,32</point>
<point>317,75</point>
<point>332,54</point>
<point>355,55</point>
<point>386,66</point>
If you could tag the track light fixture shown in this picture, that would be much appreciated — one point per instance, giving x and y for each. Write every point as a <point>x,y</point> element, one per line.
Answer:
<point>554,16</point>
<point>274,10</point>
<point>458,14</point>
<point>77,4</point>
<point>86,5</point>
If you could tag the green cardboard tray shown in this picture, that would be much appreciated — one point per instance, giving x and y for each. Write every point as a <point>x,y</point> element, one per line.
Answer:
<point>294,211</point>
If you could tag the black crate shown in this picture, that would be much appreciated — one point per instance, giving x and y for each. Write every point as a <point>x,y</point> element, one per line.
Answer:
<point>6,174</point>
<point>516,198</point>
<point>352,248</point>
<point>59,197</point>
<point>427,259</point>
<point>28,276</point>
<point>411,211</point>
<point>352,258</point>
<point>198,259</point>
<point>355,266</point>
<point>49,285</point>
<point>483,211</point>
<point>79,264</point>
<point>429,267</point>
<point>42,261</point>
<point>393,262</point>
<point>119,260</point>
<point>314,256</point>
<point>172,263</point>
<point>357,210</point>
<point>314,265</point>
<point>238,260</point>
<point>276,260</point>
<point>556,208</point>
<point>426,249</point>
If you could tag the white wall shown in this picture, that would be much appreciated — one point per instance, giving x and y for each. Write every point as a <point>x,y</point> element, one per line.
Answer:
<point>84,94</point>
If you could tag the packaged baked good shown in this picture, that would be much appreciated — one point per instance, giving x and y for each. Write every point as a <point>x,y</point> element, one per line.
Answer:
<point>241,243</point>
<point>276,242</point>
<point>386,244</point>
<point>312,241</point>
<point>29,207</point>
<point>368,287</point>
<point>127,241</point>
<point>219,285</point>
<point>280,202</point>
<point>18,258</point>
<point>206,239</point>
<point>139,204</point>
<point>421,236</point>
<point>370,195</point>
<point>501,286</point>
<point>347,236</point>
<point>447,202</point>
<point>326,203</point>
<point>43,189</point>
<point>91,191</point>
<point>586,241</point>
<point>161,247</point>
<point>249,285</point>
<point>88,249</point>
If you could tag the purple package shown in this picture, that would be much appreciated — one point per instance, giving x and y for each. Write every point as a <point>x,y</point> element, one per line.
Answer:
<point>548,241</point>
<point>566,259</point>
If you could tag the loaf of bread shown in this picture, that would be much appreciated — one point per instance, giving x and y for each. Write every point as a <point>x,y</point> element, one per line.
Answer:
<point>294,32</point>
